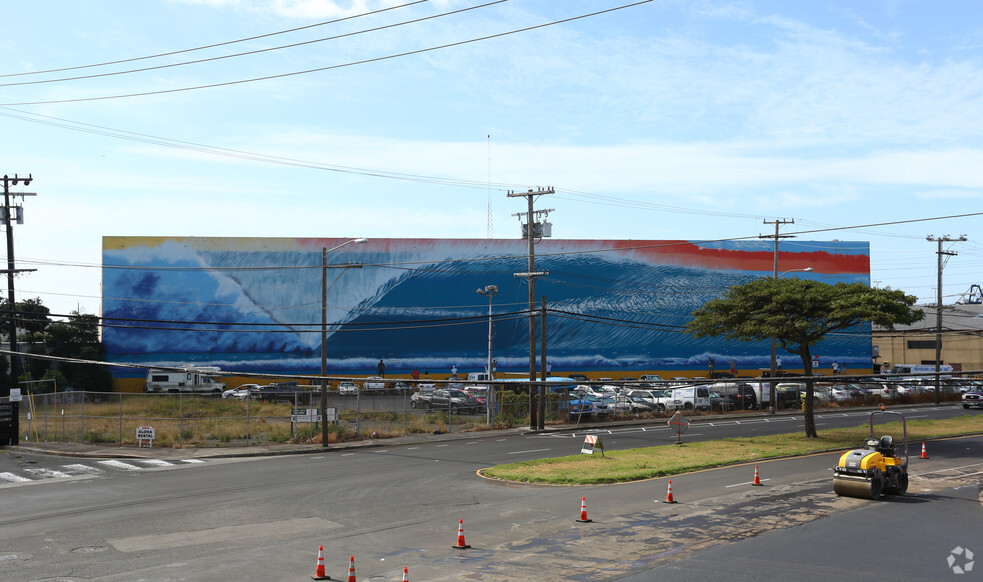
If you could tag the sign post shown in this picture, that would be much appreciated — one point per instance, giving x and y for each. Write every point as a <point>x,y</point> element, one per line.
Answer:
<point>678,423</point>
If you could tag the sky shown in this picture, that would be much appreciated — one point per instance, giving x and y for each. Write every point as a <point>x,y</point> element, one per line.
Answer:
<point>669,119</point>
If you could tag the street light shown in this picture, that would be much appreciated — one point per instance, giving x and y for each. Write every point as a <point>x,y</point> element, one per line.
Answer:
<point>324,333</point>
<point>771,390</point>
<point>490,291</point>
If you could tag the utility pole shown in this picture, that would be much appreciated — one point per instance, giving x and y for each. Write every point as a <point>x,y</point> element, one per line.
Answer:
<point>543,364</point>
<point>774,273</point>
<point>938,308</point>
<point>8,220</point>
<point>530,275</point>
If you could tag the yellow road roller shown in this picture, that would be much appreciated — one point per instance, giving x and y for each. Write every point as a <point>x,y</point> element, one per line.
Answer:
<point>878,468</point>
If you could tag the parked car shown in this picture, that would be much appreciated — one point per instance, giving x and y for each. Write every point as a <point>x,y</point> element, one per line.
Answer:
<point>972,399</point>
<point>402,388</point>
<point>841,392</point>
<point>579,406</point>
<point>741,394</point>
<point>283,392</point>
<point>374,383</point>
<point>242,392</point>
<point>421,399</point>
<point>455,400</point>
<point>578,377</point>
<point>347,388</point>
<point>661,400</point>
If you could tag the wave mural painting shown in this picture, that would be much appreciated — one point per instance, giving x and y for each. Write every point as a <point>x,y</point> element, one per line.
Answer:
<point>254,304</point>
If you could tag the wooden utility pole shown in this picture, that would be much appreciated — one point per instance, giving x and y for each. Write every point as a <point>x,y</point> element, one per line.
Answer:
<point>530,276</point>
<point>938,310</point>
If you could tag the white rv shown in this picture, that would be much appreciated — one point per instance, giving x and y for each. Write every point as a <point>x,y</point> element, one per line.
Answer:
<point>191,379</point>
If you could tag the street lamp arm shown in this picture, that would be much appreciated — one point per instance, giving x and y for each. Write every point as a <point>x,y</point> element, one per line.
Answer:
<point>347,242</point>
<point>783,273</point>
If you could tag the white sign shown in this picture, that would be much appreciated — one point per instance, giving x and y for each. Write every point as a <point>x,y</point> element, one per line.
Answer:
<point>592,443</point>
<point>312,414</point>
<point>146,434</point>
<point>15,395</point>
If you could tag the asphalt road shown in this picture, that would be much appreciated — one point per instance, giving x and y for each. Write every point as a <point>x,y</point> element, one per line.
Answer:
<point>263,518</point>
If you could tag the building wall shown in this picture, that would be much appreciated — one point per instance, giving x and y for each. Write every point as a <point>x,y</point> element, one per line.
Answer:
<point>254,304</point>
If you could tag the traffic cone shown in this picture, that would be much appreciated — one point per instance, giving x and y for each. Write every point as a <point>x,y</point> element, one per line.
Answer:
<point>406,575</point>
<point>669,498</point>
<point>583,511</point>
<point>319,571</point>
<point>924,451</point>
<point>757,480</point>
<point>351,570</point>
<point>460,537</point>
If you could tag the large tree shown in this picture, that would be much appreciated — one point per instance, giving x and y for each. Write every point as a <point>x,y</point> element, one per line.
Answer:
<point>798,313</point>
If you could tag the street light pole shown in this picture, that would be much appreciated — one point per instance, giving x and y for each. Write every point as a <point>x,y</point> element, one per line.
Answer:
<point>324,334</point>
<point>490,291</point>
<point>777,275</point>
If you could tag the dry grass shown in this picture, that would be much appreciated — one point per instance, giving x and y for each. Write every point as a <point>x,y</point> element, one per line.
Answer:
<point>650,462</point>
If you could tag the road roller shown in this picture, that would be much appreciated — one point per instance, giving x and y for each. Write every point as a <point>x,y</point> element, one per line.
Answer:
<point>878,468</point>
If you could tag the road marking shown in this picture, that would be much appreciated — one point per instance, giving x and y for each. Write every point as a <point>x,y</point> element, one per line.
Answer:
<point>11,478</point>
<point>442,446</point>
<point>472,443</point>
<point>192,461</point>
<point>744,483</point>
<point>156,463</point>
<point>80,468</point>
<point>47,473</point>
<point>412,448</point>
<point>525,452</point>
<point>348,455</point>
<point>119,465</point>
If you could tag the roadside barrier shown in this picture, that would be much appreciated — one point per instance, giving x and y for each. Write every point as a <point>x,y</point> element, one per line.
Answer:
<point>583,510</point>
<point>351,570</point>
<point>319,571</point>
<point>757,480</point>
<point>460,537</point>
<point>924,451</point>
<point>669,498</point>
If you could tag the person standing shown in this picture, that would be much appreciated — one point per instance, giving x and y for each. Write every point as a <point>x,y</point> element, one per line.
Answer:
<point>416,374</point>
<point>382,369</point>
<point>836,368</point>
<point>778,363</point>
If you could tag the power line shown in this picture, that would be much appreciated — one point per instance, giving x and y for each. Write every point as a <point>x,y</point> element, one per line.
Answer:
<point>253,52</point>
<point>209,46</point>
<point>331,67</point>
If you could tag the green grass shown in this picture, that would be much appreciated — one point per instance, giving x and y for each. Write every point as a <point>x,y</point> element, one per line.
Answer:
<point>661,461</point>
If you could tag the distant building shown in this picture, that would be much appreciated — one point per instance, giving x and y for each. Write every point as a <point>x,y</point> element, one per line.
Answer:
<point>962,339</point>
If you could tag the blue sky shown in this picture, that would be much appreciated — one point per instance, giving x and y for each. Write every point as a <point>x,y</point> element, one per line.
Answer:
<point>666,120</point>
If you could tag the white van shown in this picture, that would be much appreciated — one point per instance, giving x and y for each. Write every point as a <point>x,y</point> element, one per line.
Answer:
<point>691,397</point>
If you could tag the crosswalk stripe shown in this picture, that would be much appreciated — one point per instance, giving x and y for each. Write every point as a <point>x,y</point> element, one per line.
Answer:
<point>80,468</point>
<point>119,465</point>
<point>47,473</point>
<point>156,462</point>
<point>11,478</point>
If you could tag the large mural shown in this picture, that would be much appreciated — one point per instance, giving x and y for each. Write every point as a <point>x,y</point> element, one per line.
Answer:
<point>254,304</point>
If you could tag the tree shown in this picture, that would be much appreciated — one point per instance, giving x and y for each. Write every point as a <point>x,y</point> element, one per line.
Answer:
<point>798,313</point>
<point>79,338</point>
<point>31,315</point>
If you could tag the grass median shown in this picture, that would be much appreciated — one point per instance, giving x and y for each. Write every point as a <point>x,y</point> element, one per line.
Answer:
<point>627,465</point>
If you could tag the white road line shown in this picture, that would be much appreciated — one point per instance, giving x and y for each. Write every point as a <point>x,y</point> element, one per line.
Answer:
<point>156,462</point>
<point>192,461</point>
<point>412,448</point>
<point>744,483</point>
<point>472,443</point>
<point>11,478</point>
<point>525,452</point>
<point>443,446</point>
<point>46,473</point>
<point>120,465</point>
<point>80,468</point>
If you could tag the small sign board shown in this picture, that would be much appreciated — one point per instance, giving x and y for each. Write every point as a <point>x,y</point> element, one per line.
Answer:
<point>312,414</point>
<point>15,395</point>
<point>146,434</point>
<point>592,442</point>
<point>678,423</point>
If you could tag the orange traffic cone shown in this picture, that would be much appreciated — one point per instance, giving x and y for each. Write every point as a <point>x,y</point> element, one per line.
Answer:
<point>757,480</point>
<point>351,570</point>
<point>583,511</point>
<point>319,571</point>
<point>669,498</point>
<point>406,575</point>
<point>924,451</point>
<point>460,537</point>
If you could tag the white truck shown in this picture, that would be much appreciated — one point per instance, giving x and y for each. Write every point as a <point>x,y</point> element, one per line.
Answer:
<point>691,397</point>
<point>189,379</point>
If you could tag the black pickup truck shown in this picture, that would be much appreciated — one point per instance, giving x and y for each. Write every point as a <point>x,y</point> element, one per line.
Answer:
<point>285,392</point>
<point>457,401</point>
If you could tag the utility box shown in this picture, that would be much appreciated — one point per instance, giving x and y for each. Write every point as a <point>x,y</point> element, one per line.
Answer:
<point>539,230</point>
